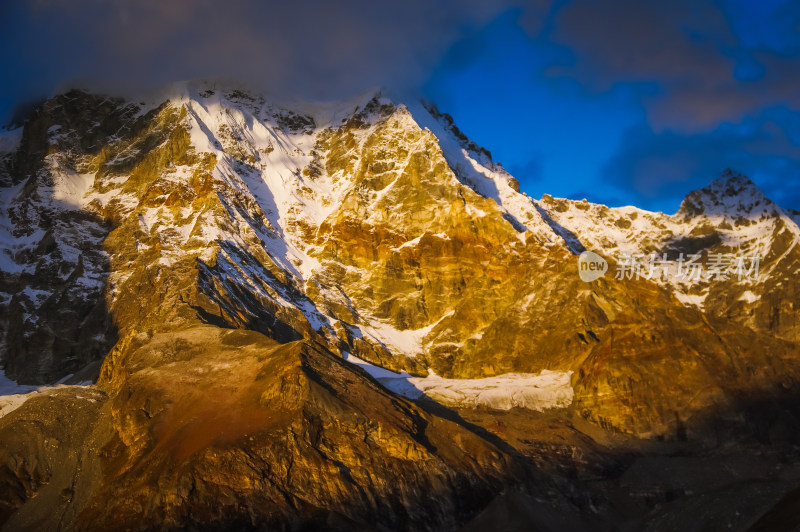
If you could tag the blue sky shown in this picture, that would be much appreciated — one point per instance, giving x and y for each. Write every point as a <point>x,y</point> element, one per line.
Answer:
<point>621,101</point>
<point>633,105</point>
<point>547,131</point>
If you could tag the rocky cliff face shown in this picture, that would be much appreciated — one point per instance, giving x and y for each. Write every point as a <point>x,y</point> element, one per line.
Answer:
<point>210,427</point>
<point>220,255</point>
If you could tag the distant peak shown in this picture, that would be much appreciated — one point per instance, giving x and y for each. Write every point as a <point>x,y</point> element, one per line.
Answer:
<point>731,194</point>
<point>731,183</point>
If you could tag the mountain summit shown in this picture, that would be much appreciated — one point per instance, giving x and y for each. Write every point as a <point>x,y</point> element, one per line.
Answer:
<point>730,195</point>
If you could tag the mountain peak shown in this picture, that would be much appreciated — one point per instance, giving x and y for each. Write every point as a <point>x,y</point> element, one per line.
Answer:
<point>732,183</point>
<point>731,194</point>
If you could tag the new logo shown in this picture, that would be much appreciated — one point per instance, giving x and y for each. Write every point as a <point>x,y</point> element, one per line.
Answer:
<point>591,266</point>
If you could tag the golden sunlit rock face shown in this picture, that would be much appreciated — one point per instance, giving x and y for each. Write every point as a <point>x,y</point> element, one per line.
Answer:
<point>212,261</point>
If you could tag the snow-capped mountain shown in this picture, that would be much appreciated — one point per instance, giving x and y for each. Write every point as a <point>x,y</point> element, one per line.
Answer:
<point>216,241</point>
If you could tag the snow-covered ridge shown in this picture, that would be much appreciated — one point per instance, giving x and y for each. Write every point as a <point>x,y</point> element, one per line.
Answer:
<point>731,215</point>
<point>280,157</point>
<point>475,168</point>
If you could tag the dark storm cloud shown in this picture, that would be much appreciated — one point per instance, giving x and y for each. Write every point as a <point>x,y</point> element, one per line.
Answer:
<point>698,63</point>
<point>713,82</point>
<point>657,166</point>
<point>306,48</point>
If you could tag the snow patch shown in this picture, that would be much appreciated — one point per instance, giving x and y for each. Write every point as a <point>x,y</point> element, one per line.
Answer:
<point>407,342</point>
<point>69,187</point>
<point>691,299</point>
<point>548,389</point>
<point>13,395</point>
<point>749,297</point>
